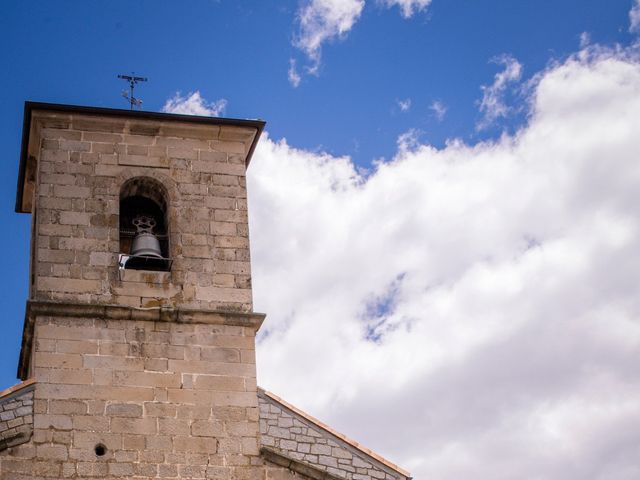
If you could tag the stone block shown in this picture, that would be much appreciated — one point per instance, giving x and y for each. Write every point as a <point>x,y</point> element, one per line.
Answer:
<point>194,412</point>
<point>229,147</point>
<point>173,426</point>
<point>51,132</point>
<point>91,423</point>
<point>56,179</point>
<point>75,346</point>
<point>207,428</point>
<point>136,426</point>
<point>143,161</point>
<point>146,290</point>
<point>55,256</point>
<point>212,156</point>
<point>277,432</point>
<point>137,150</point>
<point>138,140</point>
<point>318,449</point>
<point>59,422</point>
<point>67,407</point>
<point>113,349</point>
<point>68,285</point>
<point>359,463</point>
<point>291,445</point>
<point>71,191</point>
<point>236,268</point>
<point>182,152</point>
<point>108,148</point>
<point>218,354</point>
<point>133,442</point>
<point>341,453</point>
<point>219,294</point>
<point>194,444</point>
<point>232,180</point>
<point>146,379</point>
<point>121,469</point>
<point>109,168</point>
<point>79,332</point>
<point>111,362</point>
<point>190,143</point>
<point>249,446</point>
<point>237,134</point>
<point>74,218</point>
<point>129,410</point>
<point>59,360</point>
<point>231,242</point>
<point>102,137</point>
<point>70,376</point>
<point>74,145</point>
<point>219,383</point>
<point>98,124</point>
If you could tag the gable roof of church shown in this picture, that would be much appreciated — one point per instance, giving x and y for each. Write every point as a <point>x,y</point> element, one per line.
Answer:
<point>375,460</point>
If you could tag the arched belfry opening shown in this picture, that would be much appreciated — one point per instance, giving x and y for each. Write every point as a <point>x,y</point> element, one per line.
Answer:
<point>144,225</point>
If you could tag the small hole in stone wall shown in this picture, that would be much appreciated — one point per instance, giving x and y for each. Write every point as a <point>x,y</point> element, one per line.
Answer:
<point>100,450</point>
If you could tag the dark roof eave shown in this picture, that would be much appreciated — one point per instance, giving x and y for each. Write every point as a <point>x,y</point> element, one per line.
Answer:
<point>30,106</point>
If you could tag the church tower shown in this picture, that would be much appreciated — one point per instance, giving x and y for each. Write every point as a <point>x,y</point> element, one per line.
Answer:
<point>139,330</point>
<point>138,349</point>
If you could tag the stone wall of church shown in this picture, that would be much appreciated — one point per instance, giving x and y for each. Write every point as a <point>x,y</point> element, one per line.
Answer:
<point>294,436</point>
<point>123,398</point>
<point>16,415</point>
<point>82,163</point>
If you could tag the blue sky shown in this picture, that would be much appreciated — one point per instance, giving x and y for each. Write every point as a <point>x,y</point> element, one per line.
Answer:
<point>438,160</point>
<point>240,51</point>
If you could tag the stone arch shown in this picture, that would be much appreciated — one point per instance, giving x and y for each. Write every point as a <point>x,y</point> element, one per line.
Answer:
<point>144,219</point>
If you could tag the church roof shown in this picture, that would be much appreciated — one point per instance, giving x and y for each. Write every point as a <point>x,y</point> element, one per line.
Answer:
<point>365,453</point>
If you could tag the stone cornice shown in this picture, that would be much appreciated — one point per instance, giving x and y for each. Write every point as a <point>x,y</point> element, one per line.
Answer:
<point>35,309</point>
<point>250,129</point>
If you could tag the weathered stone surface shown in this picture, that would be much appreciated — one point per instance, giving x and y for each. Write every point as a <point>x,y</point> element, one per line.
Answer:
<point>85,158</point>
<point>197,411</point>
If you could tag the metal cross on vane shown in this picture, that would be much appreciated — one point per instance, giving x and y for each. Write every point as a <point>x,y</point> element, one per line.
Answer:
<point>133,80</point>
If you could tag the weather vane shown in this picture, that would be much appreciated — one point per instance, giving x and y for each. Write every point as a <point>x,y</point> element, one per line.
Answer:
<point>132,79</point>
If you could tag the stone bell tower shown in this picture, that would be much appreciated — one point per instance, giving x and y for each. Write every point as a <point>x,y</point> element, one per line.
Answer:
<point>139,331</point>
<point>138,348</point>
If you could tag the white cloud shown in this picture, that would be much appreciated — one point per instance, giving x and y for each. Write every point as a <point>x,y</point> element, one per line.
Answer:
<point>439,109</point>
<point>323,20</point>
<point>404,105</point>
<point>585,39</point>
<point>407,7</point>
<point>634,17</point>
<point>493,105</point>
<point>194,104</point>
<point>470,311</point>
<point>409,140</point>
<point>294,76</point>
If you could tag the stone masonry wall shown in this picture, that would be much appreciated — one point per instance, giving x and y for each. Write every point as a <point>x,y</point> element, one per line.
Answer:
<point>166,400</point>
<point>82,163</point>
<point>16,416</point>
<point>291,435</point>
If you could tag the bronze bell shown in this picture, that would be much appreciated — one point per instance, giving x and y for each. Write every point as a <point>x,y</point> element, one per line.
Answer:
<point>145,242</point>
